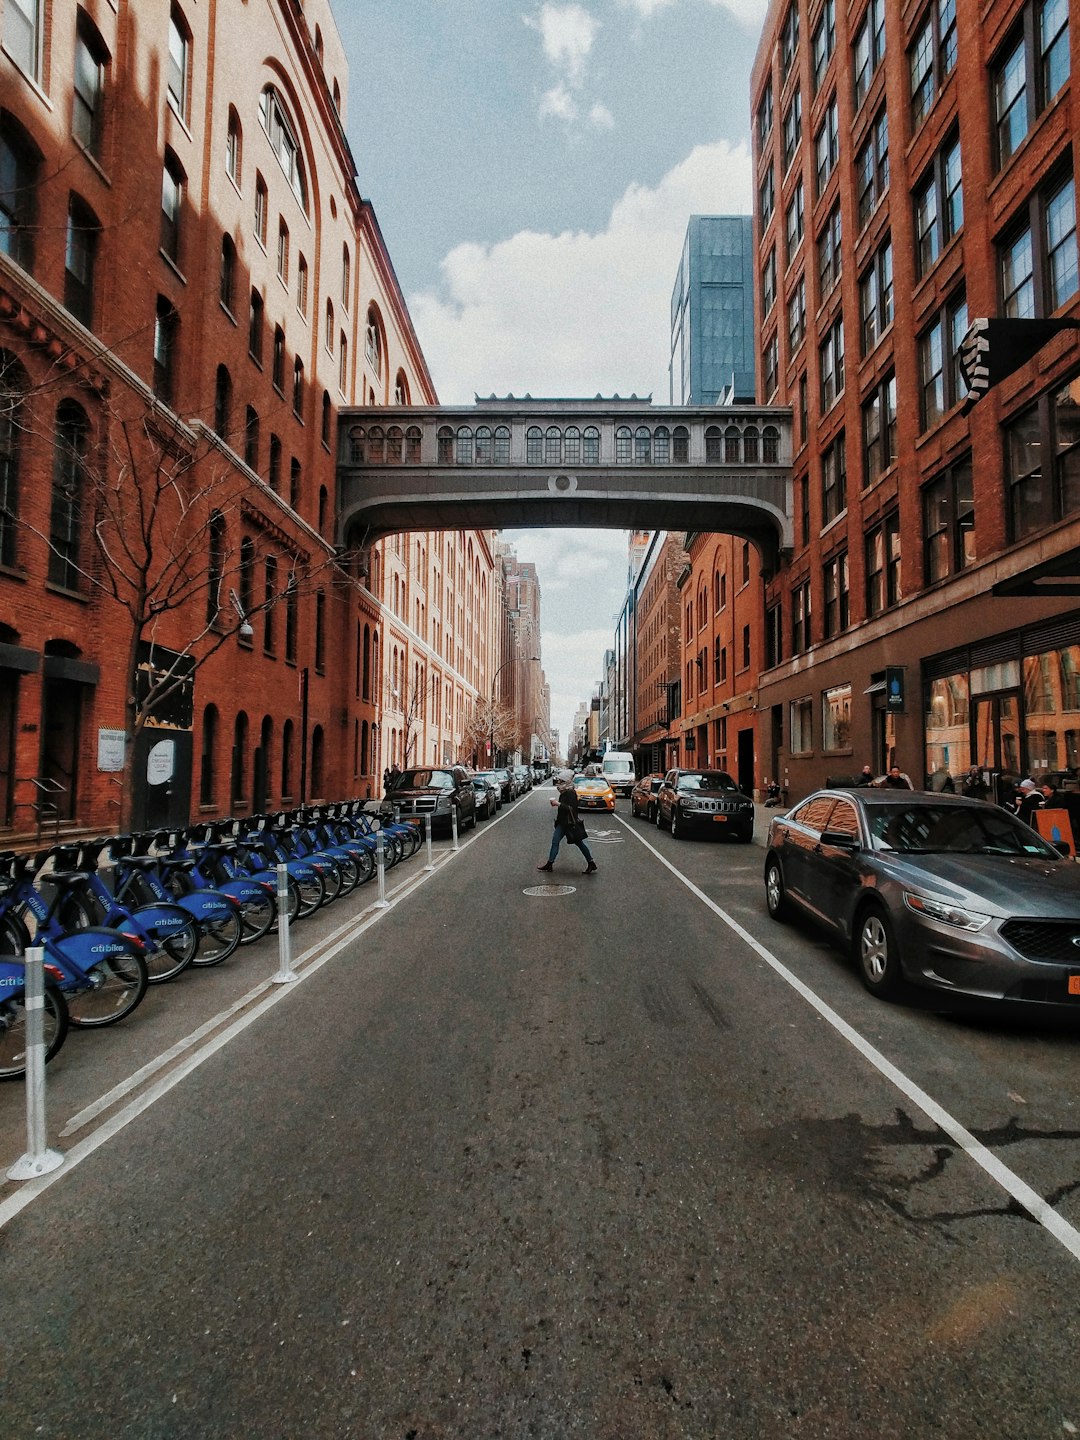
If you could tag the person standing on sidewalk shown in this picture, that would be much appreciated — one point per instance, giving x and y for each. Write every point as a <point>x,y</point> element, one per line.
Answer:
<point>568,825</point>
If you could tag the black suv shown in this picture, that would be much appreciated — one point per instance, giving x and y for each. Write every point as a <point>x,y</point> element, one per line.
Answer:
<point>437,790</point>
<point>704,800</point>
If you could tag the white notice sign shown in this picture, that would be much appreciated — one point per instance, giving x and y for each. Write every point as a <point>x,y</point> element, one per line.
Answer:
<point>110,749</point>
<point>160,762</point>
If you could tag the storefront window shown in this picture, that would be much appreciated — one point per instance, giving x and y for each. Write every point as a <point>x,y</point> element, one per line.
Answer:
<point>802,737</point>
<point>836,718</point>
<point>948,741</point>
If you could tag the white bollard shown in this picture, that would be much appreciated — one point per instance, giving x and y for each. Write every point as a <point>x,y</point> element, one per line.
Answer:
<point>285,971</point>
<point>453,826</point>
<point>380,864</point>
<point>39,1159</point>
<point>427,830</point>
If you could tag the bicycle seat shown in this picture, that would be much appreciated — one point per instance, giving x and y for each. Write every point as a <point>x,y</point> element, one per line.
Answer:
<point>141,862</point>
<point>65,877</point>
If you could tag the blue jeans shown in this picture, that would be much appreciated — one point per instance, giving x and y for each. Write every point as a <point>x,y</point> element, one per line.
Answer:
<point>556,840</point>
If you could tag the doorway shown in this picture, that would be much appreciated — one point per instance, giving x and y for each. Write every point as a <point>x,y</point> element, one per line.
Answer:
<point>745,777</point>
<point>996,741</point>
<point>61,710</point>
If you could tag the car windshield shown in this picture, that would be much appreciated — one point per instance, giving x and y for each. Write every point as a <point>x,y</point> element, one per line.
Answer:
<point>953,830</point>
<point>425,780</point>
<point>590,782</point>
<point>707,780</point>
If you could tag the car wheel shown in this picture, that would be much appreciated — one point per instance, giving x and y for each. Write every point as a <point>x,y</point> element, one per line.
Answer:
<point>776,899</point>
<point>876,953</point>
<point>659,818</point>
<point>678,827</point>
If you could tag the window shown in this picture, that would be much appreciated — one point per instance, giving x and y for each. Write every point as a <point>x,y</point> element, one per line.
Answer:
<point>295,482</point>
<point>932,57</point>
<point>800,618</point>
<point>1053,40</point>
<point>270,587</point>
<point>768,282</point>
<point>792,131</point>
<point>172,199</point>
<point>883,565</point>
<point>802,729</point>
<point>346,276</point>
<point>823,42</point>
<point>745,648</point>
<point>22,35</point>
<point>1038,258</point>
<point>298,388</point>
<point>796,315</point>
<point>872,169</point>
<point>949,522</point>
<point>765,116</point>
<point>828,252</point>
<point>222,401</point>
<point>20,162</point>
<point>166,334</point>
<point>831,357</point>
<point>234,148</point>
<point>940,383</point>
<point>834,481</point>
<point>320,631</point>
<point>1030,70</point>
<point>273,477</point>
<point>770,373</point>
<point>804,509</point>
<point>879,430</point>
<point>623,445</point>
<point>256,314</point>
<point>179,63</point>
<point>262,203</point>
<point>328,328</point>
<point>1040,494</point>
<point>789,39</point>
<point>794,220</point>
<point>207,769</point>
<point>766,196</point>
<point>227,278</point>
<point>827,146</point>
<point>869,48</point>
<point>343,363</point>
<point>301,286</point>
<point>279,131</point>
<point>373,341</point>
<point>251,438</point>
<point>88,89</point>
<point>774,636</point>
<point>278,375</point>
<point>876,298</point>
<point>642,444</point>
<point>283,251</point>
<point>835,584</point>
<point>66,520</point>
<point>80,257</point>
<point>836,720</point>
<point>939,206</point>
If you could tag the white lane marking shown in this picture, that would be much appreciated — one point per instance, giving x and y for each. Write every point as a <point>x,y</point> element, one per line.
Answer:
<point>1009,1181</point>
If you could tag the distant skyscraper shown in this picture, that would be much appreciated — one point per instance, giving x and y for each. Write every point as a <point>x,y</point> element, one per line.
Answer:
<point>712,313</point>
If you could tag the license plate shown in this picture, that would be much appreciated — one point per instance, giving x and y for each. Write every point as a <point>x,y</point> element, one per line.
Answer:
<point>720,818</point>
<point>1074,984</point>
<point>414,819</point>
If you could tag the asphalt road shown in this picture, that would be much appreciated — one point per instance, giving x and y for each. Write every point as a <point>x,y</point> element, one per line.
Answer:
<point>627,1162</point>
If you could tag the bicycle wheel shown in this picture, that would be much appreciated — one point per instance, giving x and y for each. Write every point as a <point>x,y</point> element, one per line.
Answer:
<point>13,1031</point>
<point>218,939</point>
<point>116,986</point>
<point>331,875</point>
<point>365,863</point>
<point>169,955</point>
<point>312,894</point>
<point>256,917</point>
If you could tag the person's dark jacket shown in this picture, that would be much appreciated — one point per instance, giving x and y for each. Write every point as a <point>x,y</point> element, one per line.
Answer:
<point>567,813</point>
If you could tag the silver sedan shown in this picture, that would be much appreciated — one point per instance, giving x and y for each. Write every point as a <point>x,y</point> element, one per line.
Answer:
<point>938,891</point>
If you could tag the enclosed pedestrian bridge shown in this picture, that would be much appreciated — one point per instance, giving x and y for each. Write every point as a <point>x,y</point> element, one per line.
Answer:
<point>608,463</point>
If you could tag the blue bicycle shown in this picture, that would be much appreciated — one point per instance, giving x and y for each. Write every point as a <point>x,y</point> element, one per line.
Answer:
<point>13,1018</point>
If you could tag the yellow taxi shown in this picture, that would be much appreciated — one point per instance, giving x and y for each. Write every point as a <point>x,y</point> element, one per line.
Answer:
<point>593,793</point>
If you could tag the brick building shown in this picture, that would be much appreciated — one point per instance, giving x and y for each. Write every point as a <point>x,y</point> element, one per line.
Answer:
<point>190,287</point>
<point>914,169</point>
<point>657,652</point>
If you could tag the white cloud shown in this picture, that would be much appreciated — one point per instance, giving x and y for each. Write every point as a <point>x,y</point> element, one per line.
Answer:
<point>560,103</point>
<point>575,313</point>
<point>567,33</point>
<point>601,117</point>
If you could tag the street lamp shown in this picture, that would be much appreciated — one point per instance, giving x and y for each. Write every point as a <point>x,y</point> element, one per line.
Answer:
<point>525,659</point>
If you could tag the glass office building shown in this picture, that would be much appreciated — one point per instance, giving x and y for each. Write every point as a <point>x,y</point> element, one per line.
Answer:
<point>712,313</point>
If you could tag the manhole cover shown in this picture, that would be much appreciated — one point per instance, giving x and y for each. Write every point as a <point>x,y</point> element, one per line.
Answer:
<point>545,890</point>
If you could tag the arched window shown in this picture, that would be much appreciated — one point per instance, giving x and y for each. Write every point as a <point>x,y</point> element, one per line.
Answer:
<point>298,388</point>
<point>20,166</point>
<point>552,445</point>
<point>275,121</point>
<point>208,757</point>
<point>712,444</point>
<point>294,482</point>
<point>66,520</point>
<point>13,392</point>
<point>222,401</point>
<point>534,445</point>
<point>246,576</point>
<point>770,445</point>
<point>401,389</point>
<point>327,414</point>
<point>732,439</point>
<point>286,761</point>
<point>373,340</point>
<point>80,258</point>
<point>590,445</point>
<point>346,276</point>
<point>215,567</point>
<point>172,200</point>
<point>256,313</point>
<point>266,745</point>
<point>283,250</point>
<point>292,618</point>
<point>227,283</point>
<point>366,673</point>
<point>178,69</point>
<point>642,445</point>
<point>572,445</point>
<point>87,101</point>
<point>463,450</point>
<point>356,444</point>
<point>394,445</point>
<point>239,758</point>
<point>661,445</point>
<point>274,473</point>
<point>365,765</point>
<point>680,445</point>
<point>301,286</point>
<point>502,445</point>
<point>343,364</point>
<point>483,445</point>
<point>624,442</point>
<point>328,333</point>
<point>270,590</point>
<point>412,444</point>
<point>375,445</point>
<point>446,445</point>
<point>324,505</point>
<point>262,209</point>
<point>318,45</point>
<point>320,631</point>
<point>278,375</point>
<point>234,148</point>
<point>251,438</point>
<point>750,444</point>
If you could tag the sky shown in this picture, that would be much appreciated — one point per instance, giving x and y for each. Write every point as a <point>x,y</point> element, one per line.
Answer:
<point>534,165</point>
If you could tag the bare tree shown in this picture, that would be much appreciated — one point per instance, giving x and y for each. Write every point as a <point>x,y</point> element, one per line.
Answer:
<point>488,724</point>
<point>412,705</point>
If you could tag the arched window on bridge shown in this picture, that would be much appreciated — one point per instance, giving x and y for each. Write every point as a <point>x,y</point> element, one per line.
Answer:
<point>376,445</point>
<point>393,445</point>
<point>502,445</point>
<point>464,449</point>
<point>572,445</point>
<point>712,444</point>
<point>412,445</point>
<point>590,450</point>
<point>643,445</point>
<point>624,445</point>
<point>680,445</point>
<point>446,445</point>
<point>483,444</point>
<point>553,445</point>
<point>770,445</point>
<point>731,444</point>
<point>661,445</point>
<point>750,444</point>
<point>534,445</point>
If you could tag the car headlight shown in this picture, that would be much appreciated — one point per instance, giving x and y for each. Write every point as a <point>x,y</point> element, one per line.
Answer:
<point>945,913</point>
<point>690,804</point>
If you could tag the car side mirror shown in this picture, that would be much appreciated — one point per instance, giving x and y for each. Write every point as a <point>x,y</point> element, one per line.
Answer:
<point>840,838</point>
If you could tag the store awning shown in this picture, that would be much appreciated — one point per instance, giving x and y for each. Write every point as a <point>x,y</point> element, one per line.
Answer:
<point>1057,576</point>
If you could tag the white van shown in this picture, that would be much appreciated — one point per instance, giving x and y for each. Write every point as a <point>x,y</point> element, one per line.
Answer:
<point>618,770</point>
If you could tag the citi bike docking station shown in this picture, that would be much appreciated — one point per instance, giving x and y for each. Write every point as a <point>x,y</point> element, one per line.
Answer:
<point>38,1159</point>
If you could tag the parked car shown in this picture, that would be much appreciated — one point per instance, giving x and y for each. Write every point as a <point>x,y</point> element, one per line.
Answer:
<point>440,791</point>
<point>524,775</point>
<point>696,800</point>
<point>491,778</point>
<point>487,796</point>
<point>506,781</point>
<point>617,768</point>
<point>953,894</point>
<point>643,796</point>
<point>594,793</point>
